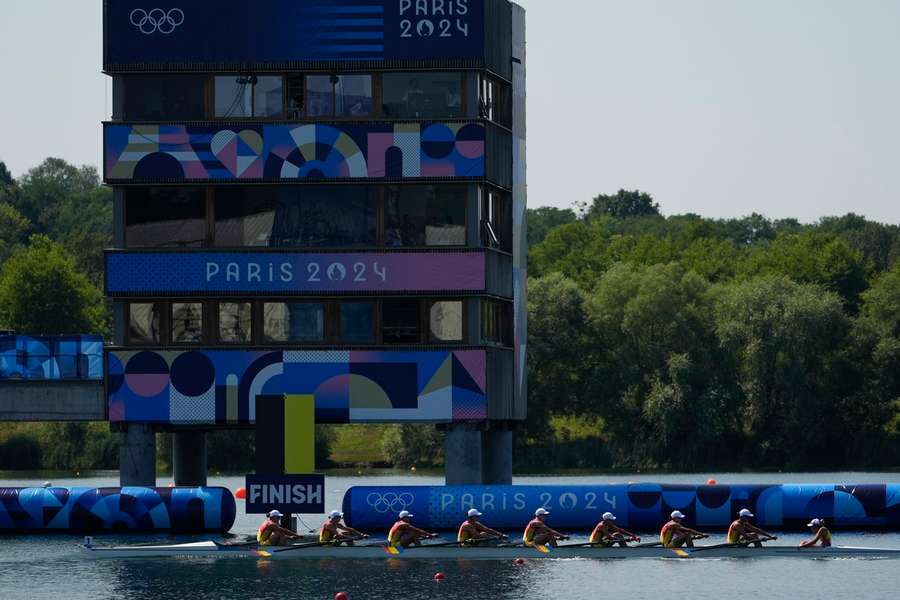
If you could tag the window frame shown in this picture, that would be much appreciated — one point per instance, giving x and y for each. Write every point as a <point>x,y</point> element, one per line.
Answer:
<point>211,98</point>
<point>217,328</point>
<point>463,91</point>
<point>204,322</point>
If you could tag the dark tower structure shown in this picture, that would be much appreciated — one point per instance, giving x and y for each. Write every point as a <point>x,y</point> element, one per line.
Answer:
<point>319,198</point>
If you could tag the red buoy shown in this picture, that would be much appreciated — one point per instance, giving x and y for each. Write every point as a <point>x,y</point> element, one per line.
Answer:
<point>340,596</point>
<point>240,493</point>
<point>520,561</point>
<point>172,484</point>
<point>711,481</point>
<point>438,576</point>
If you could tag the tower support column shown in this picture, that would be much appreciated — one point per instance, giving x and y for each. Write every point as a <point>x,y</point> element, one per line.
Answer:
<point>137,455</point>
<point>497,444</point>
<point>463,456</point>
<point>189,458</point>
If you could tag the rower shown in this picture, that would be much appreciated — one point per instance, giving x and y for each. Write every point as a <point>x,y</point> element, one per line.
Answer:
<point>675,535</point>
<point>537,533</point>
<point>335,532</point>
<point>403,534</point>
<point>607,533</point>
<point>472,531</point>
<point>823,535</point>
<point>742,530</point>
<point>271,533</point>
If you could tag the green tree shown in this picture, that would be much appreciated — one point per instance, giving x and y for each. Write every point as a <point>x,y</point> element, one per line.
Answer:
<point>42,292</point>
<point>787,342</point>
<point>6,178</point>
<point>43,189</point>
<point>410,445</point>
<point>541,220</point>
<point>623,205</point>
<point>13,227</point>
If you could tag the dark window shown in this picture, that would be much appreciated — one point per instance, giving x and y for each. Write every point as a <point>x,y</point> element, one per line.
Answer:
<point>496,322</point>
<point>296,97</point>
<point>496,219</point>
<point>165,97</point>
<point>187,322</point>
<point>445,321</point>
<point>165,216</point>
<point>338,95</point>
<point>294,322</point>
<point>293,217</point>
<point>249,96</point>
<point>422,95</point>
<point>235,322</point>
<point>401,321</point>
<point>357,322</point>
<point>144,322</point>
<point>425,215</point>
<point>495,101</point>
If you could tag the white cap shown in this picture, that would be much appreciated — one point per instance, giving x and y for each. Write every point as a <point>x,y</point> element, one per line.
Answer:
<point>745,513</point>
<point>676,514</point>
<point>608,516</point>
<point>274,513</point>
<point>405,514</point>
<point>814,523</point>
<point>335,514</point>
<point>541,512</point>
<point>473,512</point>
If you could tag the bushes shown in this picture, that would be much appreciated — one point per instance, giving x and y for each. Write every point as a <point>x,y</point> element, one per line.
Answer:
<point>413,446</point>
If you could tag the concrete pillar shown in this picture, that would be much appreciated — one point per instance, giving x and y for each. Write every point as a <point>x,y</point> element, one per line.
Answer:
<point>463,455</point>
<point>189,457</point>
<point>497,444</point>
<point>137,455</point>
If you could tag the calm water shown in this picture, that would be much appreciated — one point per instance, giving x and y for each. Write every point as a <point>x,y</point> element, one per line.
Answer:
<point>49,567</point>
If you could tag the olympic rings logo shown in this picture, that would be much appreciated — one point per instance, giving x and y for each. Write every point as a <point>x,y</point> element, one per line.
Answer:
<point>389,501</point>
<point>157,19</point>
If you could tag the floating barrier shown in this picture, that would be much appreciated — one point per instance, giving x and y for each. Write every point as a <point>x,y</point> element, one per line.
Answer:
<point>640,506</point>
<point>119,510</point>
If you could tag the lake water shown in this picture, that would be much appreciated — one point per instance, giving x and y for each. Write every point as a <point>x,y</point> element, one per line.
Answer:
<point>50,567</point>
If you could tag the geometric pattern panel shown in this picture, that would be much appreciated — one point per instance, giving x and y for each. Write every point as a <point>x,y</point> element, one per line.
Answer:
<point>150,153</point>
<point>637,506</point>
<point>220,387</point>
<point>72,357</point>
<point>116,510</point>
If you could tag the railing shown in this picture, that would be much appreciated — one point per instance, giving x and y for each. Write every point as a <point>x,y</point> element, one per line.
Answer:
<point>51,358</point>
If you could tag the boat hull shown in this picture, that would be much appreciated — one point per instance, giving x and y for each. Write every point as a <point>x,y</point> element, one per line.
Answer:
<point>215,550</point>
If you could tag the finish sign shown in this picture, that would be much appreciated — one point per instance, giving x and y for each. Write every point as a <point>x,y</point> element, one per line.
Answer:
<point>288,493</point>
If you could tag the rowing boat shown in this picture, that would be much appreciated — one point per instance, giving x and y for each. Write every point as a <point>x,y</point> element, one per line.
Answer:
<point>217,550</point>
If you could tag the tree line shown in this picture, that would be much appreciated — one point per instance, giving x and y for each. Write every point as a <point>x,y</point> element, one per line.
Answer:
<point>655,342</point>
<point>696,343</point>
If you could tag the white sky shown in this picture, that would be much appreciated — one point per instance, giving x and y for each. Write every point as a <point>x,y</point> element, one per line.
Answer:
<point>717,107</point>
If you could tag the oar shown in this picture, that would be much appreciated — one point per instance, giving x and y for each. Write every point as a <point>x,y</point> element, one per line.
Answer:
<point>443,544</point>
<point>586,544</point>
<point>309,545</point>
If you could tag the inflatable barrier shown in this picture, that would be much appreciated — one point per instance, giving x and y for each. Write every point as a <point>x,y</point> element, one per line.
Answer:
<point>641,506</point>
<point>119,510</point>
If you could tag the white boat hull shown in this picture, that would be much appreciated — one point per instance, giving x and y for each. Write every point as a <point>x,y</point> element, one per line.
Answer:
<point>215,550</point>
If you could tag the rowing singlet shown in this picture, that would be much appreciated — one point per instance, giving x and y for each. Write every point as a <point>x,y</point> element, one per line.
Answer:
<point>734,532</point>
<point>326,534</point>
<point>826,537</point>
<point>263,534</point>
<point>599,532</point>
<point>394,534</point>
<point>528,536</point>
<point>665,535</point>
<point>463,534</point>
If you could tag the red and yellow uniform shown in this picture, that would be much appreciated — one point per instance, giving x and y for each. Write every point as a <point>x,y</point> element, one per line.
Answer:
<point>600,534</point>
<point>528,536</point>
<point>667,532</point>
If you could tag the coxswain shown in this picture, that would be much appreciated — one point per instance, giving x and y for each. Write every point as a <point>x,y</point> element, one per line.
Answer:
<point>472,531</point>
<point>823,535</point>
<point>335,532</point>
<point>271,533</point>
<point>675,535</point>
<point>537,533</point>
<point>607,533</point>
<point>404,534</point>
<point>742,531</point>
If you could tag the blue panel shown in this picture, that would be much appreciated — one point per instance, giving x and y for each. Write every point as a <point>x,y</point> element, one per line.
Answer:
<point>237,32</point>
<point>43,358</point>
<point>637,506</point>
<point>128,509</point>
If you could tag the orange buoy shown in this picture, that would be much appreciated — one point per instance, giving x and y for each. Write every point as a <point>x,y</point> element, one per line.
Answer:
<point>438,576</point>
<point>172,484</point>
<point>340,596</point>
<point>520,561</point>
<point>711,481</point>
<point>240,493</point>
